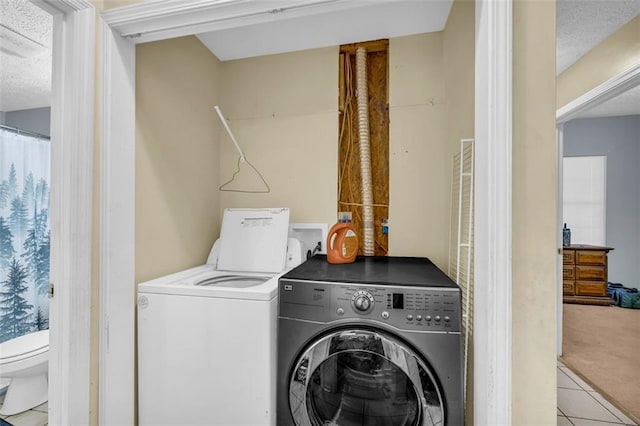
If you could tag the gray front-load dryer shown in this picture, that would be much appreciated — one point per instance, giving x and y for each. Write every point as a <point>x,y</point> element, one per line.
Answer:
<point>375,342</point>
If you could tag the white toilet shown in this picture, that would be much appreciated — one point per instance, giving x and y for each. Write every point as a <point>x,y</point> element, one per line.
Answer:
<point>25,360</point>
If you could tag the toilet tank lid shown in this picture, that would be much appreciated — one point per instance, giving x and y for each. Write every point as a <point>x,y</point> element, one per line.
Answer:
<point>23,345</point>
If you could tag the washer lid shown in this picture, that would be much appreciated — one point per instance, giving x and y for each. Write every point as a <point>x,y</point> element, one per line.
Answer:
<point>193,282</point>
<point>254,240</point>
<point>24,346</point>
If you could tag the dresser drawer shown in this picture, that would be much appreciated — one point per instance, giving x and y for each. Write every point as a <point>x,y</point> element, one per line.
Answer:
<point>568,288</point>
<point>590,272</point>
<point>568,272</point>
<point>590,257</point>
<point>568,257</point>
<point>591,288</point>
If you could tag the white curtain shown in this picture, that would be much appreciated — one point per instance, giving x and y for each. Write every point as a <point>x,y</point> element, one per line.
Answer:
<point>24,233</point>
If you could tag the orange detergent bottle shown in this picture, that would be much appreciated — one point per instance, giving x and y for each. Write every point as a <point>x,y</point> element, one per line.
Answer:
<point>342,241</point>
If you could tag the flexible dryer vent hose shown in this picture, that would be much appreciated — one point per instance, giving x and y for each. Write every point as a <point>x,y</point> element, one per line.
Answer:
<point>365,150</point>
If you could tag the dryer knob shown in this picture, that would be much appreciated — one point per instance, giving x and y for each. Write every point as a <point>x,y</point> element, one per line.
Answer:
<point>362,303</point>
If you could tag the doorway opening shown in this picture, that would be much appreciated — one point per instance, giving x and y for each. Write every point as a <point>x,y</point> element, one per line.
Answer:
<point>588,331</point>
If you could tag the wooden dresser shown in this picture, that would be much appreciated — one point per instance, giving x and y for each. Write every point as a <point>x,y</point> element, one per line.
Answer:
<point>584,274</point>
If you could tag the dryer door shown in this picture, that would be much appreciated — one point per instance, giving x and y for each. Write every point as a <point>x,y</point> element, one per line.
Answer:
<point>363,377</point>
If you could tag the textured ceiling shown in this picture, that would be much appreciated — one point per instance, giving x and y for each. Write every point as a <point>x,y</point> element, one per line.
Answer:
<point>581,24</point>
<point>25,82</point>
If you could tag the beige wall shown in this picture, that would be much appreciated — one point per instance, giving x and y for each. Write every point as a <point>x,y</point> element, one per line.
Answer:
<point>615,54</point>
<point>177,155</point>
<point>534,214</point>
<point>112,4</point>
<point>459,66</point>
<point>95,246</point>
<point>419,169</point>
<point>285,118</point>
<point>282,109</point>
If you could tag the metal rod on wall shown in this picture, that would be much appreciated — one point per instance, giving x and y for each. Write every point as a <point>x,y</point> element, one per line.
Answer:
<point>25,132</point>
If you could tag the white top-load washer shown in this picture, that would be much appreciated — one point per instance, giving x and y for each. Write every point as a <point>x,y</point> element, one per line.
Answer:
<point>207,335</point>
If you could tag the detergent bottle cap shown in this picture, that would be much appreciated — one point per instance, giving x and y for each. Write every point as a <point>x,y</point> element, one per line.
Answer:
<point>344,217</point>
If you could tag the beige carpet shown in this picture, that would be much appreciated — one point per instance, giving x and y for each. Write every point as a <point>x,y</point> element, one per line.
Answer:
<point>602,344</point>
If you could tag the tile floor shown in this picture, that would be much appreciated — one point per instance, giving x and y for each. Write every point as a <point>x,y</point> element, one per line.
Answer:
<point>36,417</point>
<point>578,405</point>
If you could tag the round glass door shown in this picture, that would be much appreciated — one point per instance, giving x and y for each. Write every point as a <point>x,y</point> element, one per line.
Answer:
<point>363,377</point>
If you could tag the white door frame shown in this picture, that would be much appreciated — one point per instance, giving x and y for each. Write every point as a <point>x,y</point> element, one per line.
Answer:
<point>493,213</point>
<point>117,232</point>
<point>611,88</point>
<point>72,137</point>
<point>559,200</point>
<point>151,21</point>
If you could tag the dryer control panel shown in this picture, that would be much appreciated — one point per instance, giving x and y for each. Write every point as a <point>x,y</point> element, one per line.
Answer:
<point>403,307</point>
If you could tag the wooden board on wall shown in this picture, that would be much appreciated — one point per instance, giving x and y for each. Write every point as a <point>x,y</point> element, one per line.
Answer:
<point>349,174</point>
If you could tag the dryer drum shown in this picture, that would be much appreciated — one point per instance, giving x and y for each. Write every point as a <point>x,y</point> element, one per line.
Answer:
<point>363,377</point>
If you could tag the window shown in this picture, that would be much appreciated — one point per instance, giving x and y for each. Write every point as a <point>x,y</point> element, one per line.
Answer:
<point>584,202</point>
